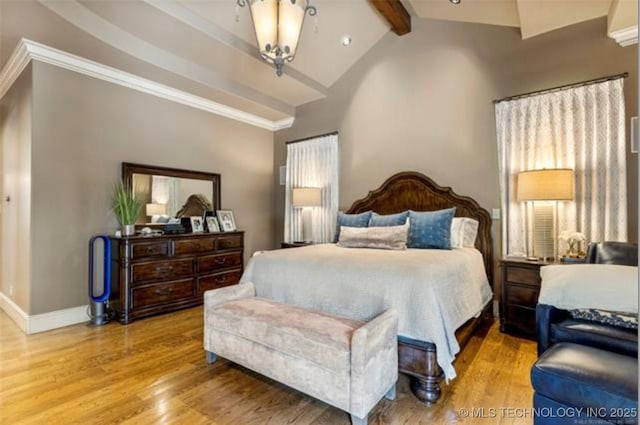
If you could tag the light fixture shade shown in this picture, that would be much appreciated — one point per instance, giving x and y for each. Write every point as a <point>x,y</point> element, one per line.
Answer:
<point>264,14</point>
<point>307,197</point>
<point>278,24</point>
<point>545,185</point>
<point>291,17</point>
<point>156,209</point>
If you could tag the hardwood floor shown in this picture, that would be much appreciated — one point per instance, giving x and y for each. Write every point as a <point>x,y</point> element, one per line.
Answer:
<point>153,372</point>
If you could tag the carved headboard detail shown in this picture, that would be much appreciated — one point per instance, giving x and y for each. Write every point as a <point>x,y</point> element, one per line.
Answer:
<point>415,191</point>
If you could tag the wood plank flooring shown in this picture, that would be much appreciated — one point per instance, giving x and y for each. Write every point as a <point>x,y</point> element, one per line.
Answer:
<point>153,372</point>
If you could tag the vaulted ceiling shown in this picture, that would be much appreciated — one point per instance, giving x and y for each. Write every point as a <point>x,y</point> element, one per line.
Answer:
<point>199,47</point>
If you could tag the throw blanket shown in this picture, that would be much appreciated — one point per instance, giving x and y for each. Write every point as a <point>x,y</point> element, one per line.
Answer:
<point>587,286</point>
<point>434,291</point>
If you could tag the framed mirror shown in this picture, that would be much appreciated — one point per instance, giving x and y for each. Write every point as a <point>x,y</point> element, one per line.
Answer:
<point>168,193</point>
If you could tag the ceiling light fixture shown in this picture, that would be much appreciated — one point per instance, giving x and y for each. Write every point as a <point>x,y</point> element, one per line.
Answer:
<point>346,40</point>
<point>454,1</point>
<point>278,24</point>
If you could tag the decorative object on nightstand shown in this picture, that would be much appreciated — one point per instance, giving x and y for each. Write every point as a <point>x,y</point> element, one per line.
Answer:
<point>519,295</point>
<point>574,253</point>
<point>294,244</point>
<point>307,198</point>
<point>545,188</point>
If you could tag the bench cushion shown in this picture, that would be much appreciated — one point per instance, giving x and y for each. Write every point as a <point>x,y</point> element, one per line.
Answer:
<point>581,376</point>
<point>318,337</point>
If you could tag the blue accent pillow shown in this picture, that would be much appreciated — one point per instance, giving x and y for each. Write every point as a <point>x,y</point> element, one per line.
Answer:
<point>378,220</point>
<point>351,220</point>
<point>431,229</point>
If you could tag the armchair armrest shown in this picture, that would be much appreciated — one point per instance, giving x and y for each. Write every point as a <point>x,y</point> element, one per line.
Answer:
<point>546,316</point>
<point>221,295</point>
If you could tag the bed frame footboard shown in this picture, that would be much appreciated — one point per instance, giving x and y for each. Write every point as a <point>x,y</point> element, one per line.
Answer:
<point>419,360</point>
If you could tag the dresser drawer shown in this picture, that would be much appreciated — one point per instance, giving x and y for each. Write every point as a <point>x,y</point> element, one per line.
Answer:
<point>523,275</point>
<point>218,280</point>
<point>161,293</point>
<point>194,246</point>
<point>211,263</point>
<point>149,249</point>
<point>229,242</point>
<point>521,295</point>
<point>162,270</point>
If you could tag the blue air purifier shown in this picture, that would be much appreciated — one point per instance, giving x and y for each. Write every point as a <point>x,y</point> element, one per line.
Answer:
<point>99,271</point>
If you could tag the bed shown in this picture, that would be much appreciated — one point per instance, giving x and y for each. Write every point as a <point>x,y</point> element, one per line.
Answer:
<point>441,295</point>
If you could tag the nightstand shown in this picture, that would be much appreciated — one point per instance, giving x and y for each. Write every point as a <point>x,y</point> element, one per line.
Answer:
<point>294,244</point>
<point>519,295</point>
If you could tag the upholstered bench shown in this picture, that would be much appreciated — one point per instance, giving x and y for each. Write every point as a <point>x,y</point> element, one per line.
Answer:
<point>579,384</point>
<point>346,363</point>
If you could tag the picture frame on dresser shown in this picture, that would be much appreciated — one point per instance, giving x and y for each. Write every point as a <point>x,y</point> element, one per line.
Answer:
<point>197,225</point>
<point>212,224</point>
<point>227,220</point>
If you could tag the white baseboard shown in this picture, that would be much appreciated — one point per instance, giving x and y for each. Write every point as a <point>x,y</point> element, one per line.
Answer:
<point>14,312</point>
<point>57,319</point>
<point>45,321</point>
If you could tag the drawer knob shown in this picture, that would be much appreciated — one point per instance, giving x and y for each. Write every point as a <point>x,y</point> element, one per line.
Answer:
<point>167,291</point>
<point>221,261</point>
<point>152,250</point>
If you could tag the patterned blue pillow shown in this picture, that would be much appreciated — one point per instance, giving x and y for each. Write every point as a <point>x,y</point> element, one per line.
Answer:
<point>431,229</point>
<point>378,220</point>
<point>351,220</point>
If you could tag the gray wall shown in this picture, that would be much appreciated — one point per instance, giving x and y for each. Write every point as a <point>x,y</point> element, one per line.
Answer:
<point>15,169</point>
<point>423,102</point>
<point>83,130</point>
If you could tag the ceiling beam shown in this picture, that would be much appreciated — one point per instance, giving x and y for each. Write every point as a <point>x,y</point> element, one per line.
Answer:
<point>395,13</point>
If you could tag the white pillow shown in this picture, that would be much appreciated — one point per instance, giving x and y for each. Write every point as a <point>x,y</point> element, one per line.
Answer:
<point>387,237</point>
<point>463,232</point>
<point>599,286</point>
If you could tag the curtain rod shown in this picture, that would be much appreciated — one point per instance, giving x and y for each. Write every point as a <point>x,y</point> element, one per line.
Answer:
<point>333,133</point>
<point>566,86</point>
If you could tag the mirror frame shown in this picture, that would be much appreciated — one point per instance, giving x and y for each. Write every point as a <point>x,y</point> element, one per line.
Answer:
<point>129,169</point>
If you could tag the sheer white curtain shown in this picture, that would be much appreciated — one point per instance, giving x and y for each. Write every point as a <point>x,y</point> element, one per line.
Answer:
<point>579,128</point>
<point>313,163</point>
<point>164,190</point>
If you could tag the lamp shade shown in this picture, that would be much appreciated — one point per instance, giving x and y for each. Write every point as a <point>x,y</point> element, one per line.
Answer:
<point>545,185</point>
<point>307,197</point>
<point>156,209</point>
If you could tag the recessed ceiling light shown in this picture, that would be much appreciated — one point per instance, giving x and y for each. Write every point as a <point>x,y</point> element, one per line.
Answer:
<point>346,40</point>
<point>454,1</point>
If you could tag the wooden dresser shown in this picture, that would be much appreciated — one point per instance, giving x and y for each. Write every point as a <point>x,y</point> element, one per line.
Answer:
<point>154,275</point>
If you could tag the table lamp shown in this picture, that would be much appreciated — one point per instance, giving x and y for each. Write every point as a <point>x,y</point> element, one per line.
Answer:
<point>306,198</point>
<point>155,211</point>
<point>545,188</point>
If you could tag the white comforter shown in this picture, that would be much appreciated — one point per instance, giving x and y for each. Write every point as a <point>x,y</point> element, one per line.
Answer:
<point>434,291</point>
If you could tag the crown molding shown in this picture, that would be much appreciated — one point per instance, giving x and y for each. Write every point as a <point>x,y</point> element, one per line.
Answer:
<point>626,36</point>
<point>28,50</point>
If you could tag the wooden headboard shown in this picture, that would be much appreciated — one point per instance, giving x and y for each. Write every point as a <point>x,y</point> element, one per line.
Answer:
<point>415,191</point>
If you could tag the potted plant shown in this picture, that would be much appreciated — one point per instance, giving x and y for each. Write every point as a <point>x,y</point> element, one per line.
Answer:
<point>573,240</point>
<point>127,207</point>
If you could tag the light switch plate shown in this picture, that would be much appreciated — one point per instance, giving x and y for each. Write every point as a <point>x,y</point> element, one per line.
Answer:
<point>496,213</point>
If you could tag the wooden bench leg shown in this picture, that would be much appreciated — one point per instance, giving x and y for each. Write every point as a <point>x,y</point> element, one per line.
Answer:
<point>391,394</point>
<point>359,421</point>
<point>211,357</point>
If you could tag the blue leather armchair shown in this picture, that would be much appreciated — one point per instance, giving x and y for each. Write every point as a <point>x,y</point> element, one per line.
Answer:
<point>554,325</point>
<point>585,369</point>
